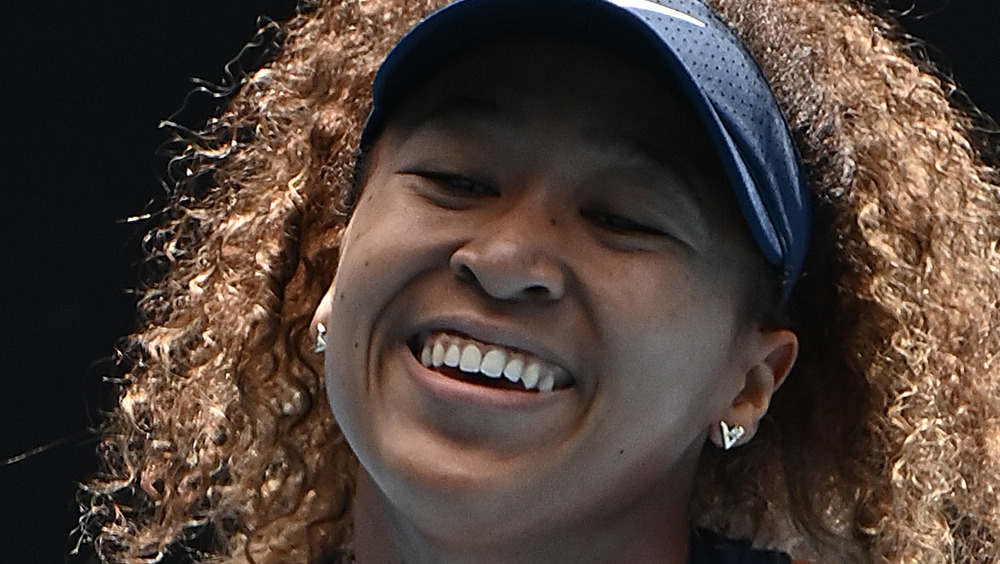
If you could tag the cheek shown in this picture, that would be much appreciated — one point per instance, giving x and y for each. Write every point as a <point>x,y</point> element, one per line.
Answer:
<point>362,282</point>
<point>671,367</point>
<point>372,257</point>
<point>672,339</point>
<point>380,258</point>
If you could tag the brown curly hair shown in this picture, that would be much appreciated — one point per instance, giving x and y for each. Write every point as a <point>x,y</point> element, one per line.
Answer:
<point>884,444</point>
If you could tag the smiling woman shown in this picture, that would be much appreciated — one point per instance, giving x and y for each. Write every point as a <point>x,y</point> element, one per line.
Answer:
<point>636,318</point>
<point>555,258</point>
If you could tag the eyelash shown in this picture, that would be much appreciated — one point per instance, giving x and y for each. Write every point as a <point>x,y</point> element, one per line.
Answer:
<point>620,224</point>
<point>464,186</point>
<point>455,183</point>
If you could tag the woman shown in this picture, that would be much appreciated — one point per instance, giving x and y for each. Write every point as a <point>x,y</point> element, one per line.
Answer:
<point>880,444</point>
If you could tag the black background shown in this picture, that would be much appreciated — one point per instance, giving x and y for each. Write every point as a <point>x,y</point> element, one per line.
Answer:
<point>82,89</point>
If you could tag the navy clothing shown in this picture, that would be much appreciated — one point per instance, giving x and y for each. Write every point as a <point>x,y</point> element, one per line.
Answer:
<point>707,547</point>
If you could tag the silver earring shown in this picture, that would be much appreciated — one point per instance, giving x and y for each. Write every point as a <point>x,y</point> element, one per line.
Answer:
<point>731,435</point>
<point>320,339</point>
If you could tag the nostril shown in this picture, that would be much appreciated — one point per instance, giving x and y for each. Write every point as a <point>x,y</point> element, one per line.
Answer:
<point>463,272</point>
<point>538,291</point>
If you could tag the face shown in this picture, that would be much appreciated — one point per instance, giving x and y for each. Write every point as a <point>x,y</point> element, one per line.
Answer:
<point>546,213</point>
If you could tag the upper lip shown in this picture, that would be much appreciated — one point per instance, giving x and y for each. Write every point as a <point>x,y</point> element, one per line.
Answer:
<point>494,334</point>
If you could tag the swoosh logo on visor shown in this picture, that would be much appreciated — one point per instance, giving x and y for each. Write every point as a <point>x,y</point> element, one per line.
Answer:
<point>658,8</point>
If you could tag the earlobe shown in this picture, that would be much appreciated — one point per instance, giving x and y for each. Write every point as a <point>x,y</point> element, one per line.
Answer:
<point>322,314</point>
<point>771,357</point>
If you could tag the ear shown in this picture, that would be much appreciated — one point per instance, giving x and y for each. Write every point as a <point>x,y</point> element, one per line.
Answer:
<point>770,357</point>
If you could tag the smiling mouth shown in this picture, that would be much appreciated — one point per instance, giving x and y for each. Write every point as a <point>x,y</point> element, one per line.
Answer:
<point>482,364</point>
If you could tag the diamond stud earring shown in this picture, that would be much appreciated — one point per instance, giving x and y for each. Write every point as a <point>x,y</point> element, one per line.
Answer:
<point>320,339</point>
<point>731,435</point>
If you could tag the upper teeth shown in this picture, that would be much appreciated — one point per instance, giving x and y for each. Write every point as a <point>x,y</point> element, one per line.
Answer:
<point>489,360</point>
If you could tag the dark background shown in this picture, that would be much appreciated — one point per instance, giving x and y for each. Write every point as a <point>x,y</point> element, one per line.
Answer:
<point>82,89</point>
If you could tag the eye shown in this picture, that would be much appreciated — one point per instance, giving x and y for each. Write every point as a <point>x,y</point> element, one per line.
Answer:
<point>620,224</point>
<point>454,183</point>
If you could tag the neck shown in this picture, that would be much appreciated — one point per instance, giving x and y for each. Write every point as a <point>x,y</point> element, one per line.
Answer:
<point>645,530</point>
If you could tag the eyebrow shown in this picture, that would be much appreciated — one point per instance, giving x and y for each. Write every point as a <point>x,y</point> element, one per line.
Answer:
<point>465,109</point>
<point>469,109</point>
<point>633,149</point>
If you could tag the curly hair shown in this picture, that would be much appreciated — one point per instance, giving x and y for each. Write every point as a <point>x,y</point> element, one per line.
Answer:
<point>883,445</point>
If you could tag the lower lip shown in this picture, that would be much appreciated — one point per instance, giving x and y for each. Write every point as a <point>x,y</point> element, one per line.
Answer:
<point>458,391</point>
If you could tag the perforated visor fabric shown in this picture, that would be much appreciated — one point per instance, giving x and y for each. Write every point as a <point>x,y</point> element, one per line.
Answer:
<point>684,39</point>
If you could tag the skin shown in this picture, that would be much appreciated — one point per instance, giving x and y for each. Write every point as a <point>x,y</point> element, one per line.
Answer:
<point>550,197</point>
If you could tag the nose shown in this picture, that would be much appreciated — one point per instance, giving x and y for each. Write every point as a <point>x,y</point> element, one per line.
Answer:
<point>515,256</point>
